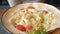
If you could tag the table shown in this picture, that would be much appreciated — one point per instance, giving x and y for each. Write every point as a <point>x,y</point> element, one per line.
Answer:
<point>2,29</point>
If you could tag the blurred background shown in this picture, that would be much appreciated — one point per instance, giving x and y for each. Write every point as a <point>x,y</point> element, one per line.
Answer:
<point>53,2</point>
<point>5,4</point>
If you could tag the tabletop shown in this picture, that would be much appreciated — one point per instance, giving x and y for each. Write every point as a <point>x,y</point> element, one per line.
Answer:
<point>2,29</point>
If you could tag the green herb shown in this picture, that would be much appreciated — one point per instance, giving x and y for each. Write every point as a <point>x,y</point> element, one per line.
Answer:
<point>37,31</point>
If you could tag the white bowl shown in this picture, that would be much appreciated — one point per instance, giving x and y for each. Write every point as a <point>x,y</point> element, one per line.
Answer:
<point>12,10</point>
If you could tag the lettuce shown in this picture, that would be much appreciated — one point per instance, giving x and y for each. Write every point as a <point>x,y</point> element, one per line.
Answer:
<point>37,31</point>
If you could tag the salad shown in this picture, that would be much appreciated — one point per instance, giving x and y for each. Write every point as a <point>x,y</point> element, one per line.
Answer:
<point>31,20</point>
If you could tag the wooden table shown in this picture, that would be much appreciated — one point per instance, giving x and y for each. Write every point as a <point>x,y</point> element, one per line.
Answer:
<point>55,31</point>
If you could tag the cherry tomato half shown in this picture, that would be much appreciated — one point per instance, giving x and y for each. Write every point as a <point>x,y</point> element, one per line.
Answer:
<point>21,28</point>
<point>46,12</point>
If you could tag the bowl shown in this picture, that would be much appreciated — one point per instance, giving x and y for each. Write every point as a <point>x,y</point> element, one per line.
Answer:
<point>12,10</point>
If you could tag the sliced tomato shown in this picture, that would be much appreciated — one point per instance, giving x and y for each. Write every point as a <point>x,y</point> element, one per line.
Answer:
<point>29,27</point>
<point>30,6</point>
<point>21,28</point>
<point>46,12</point>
